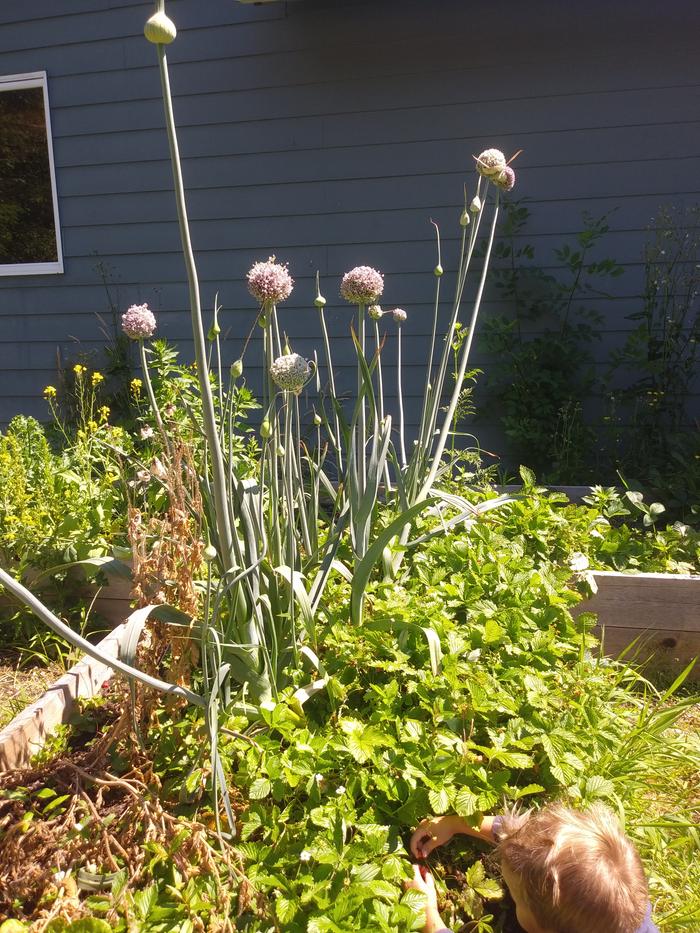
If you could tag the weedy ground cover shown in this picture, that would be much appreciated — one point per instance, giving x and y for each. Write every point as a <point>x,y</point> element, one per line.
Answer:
<point>519,707</point>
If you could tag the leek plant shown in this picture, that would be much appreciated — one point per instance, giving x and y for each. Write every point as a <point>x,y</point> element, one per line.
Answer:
<point>271,544</point>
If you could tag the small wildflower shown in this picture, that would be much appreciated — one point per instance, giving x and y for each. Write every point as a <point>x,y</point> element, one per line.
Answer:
<point>138,322</point>
<point>291,372</point>
<point>304,855</point>
<point>270,282</point>
<point>362,285</point>
<point>375,312</point>
<point>136,385</point>
<point>92,426</point>
<point>169,411</point>
<point>50,392</point>
<point>474,655</point>
<point>578,562</point>
<point>97,378</point>
<point>340,790</point>
<point>399,315</point>
<point>158,469</point>
<point>506,179</point>
<point>490,162</point>
<point>146,432</point>
<point>104,413</point>
<point>143,476</point>
<point>79,370</point>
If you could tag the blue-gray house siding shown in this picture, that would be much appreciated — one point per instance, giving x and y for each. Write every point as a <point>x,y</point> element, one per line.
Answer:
<point>328,132</point>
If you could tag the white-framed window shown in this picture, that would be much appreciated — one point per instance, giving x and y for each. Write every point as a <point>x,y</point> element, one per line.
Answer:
<point>30,234</point>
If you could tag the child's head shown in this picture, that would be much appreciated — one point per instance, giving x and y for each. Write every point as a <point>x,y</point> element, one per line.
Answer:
<point>572,872</point>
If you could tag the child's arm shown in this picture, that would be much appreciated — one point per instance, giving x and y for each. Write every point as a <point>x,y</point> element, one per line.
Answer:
<point>438,830</point>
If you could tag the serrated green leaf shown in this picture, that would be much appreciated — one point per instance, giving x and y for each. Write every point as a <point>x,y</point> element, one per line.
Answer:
<point>439,800</point>
<point>259,789</point>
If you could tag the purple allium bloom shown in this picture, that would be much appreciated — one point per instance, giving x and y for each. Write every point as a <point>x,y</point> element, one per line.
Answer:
<point>270,282</point>
<point>362,285</point>
<point>138,322</point>
<point>490,162</point>
<point>506,179</point>
<point>399,315</point>
<point>290,372</point>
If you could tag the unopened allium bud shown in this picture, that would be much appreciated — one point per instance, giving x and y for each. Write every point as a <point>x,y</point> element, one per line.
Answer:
<point>375,312</point>
<point>290,372</point>
<point>265,428</point>
<point>475,206</point>
<point>320,301</point>
<point>399,315</point>
<point>490,162</point>
<point>280,450</point>
<point>209,553</point>
<point>160,29</point>
<point>317,420</point>
<point>138,322</point>
<point>362,285</point>
<point>506,179</point>
<point>465,219</point>
<point>214,332</point>
<point>237,369</point>
<point>438,270</point>
<point>270,282</point>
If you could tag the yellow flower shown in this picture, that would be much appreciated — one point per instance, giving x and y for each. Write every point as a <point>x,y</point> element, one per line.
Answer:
<point>97,378</point>
<point>79,370</point>
<point>49,392</point>
<point>92,426</point>
<point>104,413</point>
<point>136,387</point>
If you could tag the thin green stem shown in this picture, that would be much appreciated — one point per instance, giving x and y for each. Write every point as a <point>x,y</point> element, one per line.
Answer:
<point>224,530</point>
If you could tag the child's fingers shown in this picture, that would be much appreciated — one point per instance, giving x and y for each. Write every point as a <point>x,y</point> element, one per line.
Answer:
<point>421,841</point>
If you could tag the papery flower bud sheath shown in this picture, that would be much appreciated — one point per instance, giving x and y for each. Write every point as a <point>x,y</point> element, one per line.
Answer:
<point>265,428</point>
<point>160,29</point>
<point>290,372</point>
<point>138,322</point>
<point>270,282</point>
<point>475,206</point>
<point>490,162</point>
<point>237,369</point>
<point>438,270</point>
<point>362,285</point>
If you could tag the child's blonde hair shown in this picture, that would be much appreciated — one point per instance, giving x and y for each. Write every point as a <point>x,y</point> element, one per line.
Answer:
<point>579,873</point>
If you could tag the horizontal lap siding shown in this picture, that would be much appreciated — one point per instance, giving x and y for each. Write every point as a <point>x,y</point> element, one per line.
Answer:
<point>329,132</point>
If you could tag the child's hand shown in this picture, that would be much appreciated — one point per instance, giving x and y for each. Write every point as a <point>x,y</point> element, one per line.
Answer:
<point>423,881</point>
<point>432,833</point>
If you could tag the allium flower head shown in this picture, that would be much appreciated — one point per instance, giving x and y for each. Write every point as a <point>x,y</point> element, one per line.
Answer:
<point>270,282</point>
<point>362,285</point>
<point>290,372</point>
<point>506,179</point>
<point>399,315</point>
<point>138,322</point>
<point>375,312</point>
<point>490,162</point>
